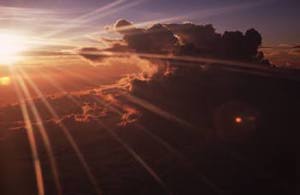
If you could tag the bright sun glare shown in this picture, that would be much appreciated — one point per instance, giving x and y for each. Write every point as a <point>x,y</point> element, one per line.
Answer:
<point>10,47</point>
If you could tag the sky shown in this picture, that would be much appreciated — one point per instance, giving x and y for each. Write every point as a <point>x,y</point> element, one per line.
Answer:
<point>275,19</point>
<point>67,25</point>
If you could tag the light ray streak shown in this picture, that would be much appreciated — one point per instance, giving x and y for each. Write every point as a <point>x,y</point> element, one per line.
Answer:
<point>31,138</point>
<point>127,148</point>
<point>204,178</point>
<point>42,42</point>
<point>168,147</point>
<point>252,68</point>
<point>195,14</point>
<point>155,109</point>
<point>116,109</point>
<point>76,75</point>
<point>136,156</point>
<point>149,106</point>
<point>170,57</point>
<point>83,18</point>
<point>132,152</point>
<point>68,135</point>
<point>103,11</point>
<point>139,24</point>
<point>45,136</point>
<point>25,11</point>
<point>231,64</point>
<point>61,89</point>
<point>79,77</point>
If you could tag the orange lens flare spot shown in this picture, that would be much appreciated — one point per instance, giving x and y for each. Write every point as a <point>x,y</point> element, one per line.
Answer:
<point>5,81</point>
<point>238,120</point>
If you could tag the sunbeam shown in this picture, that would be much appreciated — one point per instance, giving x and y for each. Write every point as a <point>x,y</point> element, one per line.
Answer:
<point>44,134</point>
<point>132,152</point>
<point>68,135</point>
<point>129,150</point>
<point>136,156</point>
<point>231,65</point>
<point>116,108</point>
<point>96,14</point>
<point>84,18</point>
<point>31,139</point>
<point>157,110</point>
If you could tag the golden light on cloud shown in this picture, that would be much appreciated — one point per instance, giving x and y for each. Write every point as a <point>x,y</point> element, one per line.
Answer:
<point>10,47</point>
<point>5,80</point>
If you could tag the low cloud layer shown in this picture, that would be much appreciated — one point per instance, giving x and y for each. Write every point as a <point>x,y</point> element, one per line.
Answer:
<point>288,56</point>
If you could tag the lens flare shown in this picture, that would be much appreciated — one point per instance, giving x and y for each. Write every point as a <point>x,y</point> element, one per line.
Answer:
<point>238,120</point>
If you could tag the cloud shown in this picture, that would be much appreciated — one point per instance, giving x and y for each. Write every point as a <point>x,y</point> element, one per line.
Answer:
<point>157,38</point>
<point>185,39</point>
<point>143,69</point>
<point>295,51</point>
<point>283,56</point>
<point>192,40</point>
<point>157,80</point>
<point>91,54</point>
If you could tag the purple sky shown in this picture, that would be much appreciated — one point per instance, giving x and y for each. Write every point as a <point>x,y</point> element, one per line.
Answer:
<point>277,20</point>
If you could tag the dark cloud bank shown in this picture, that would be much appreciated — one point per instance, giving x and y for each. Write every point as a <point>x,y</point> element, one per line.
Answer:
<point>213,97</point>
<point>186,40</point>
<point>193,40</point>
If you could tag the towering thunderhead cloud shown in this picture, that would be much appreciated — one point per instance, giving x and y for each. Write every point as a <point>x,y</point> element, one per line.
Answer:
<point>157,38</point>
<point>192,39</point>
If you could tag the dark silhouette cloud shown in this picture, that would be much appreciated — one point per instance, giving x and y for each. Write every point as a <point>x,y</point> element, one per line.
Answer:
<point>202,38</point>
<point>157,38</point>
<point>192,40</point>
<point>91,53</point>
<point>185,39</point>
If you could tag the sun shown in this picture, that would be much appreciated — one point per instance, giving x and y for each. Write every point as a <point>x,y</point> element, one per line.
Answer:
<point>11,45</point>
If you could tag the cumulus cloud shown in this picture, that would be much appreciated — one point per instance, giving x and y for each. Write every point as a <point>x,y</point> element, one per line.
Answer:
<point>192,39</point>
<point>157,38</point>
<point>184,39</point>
